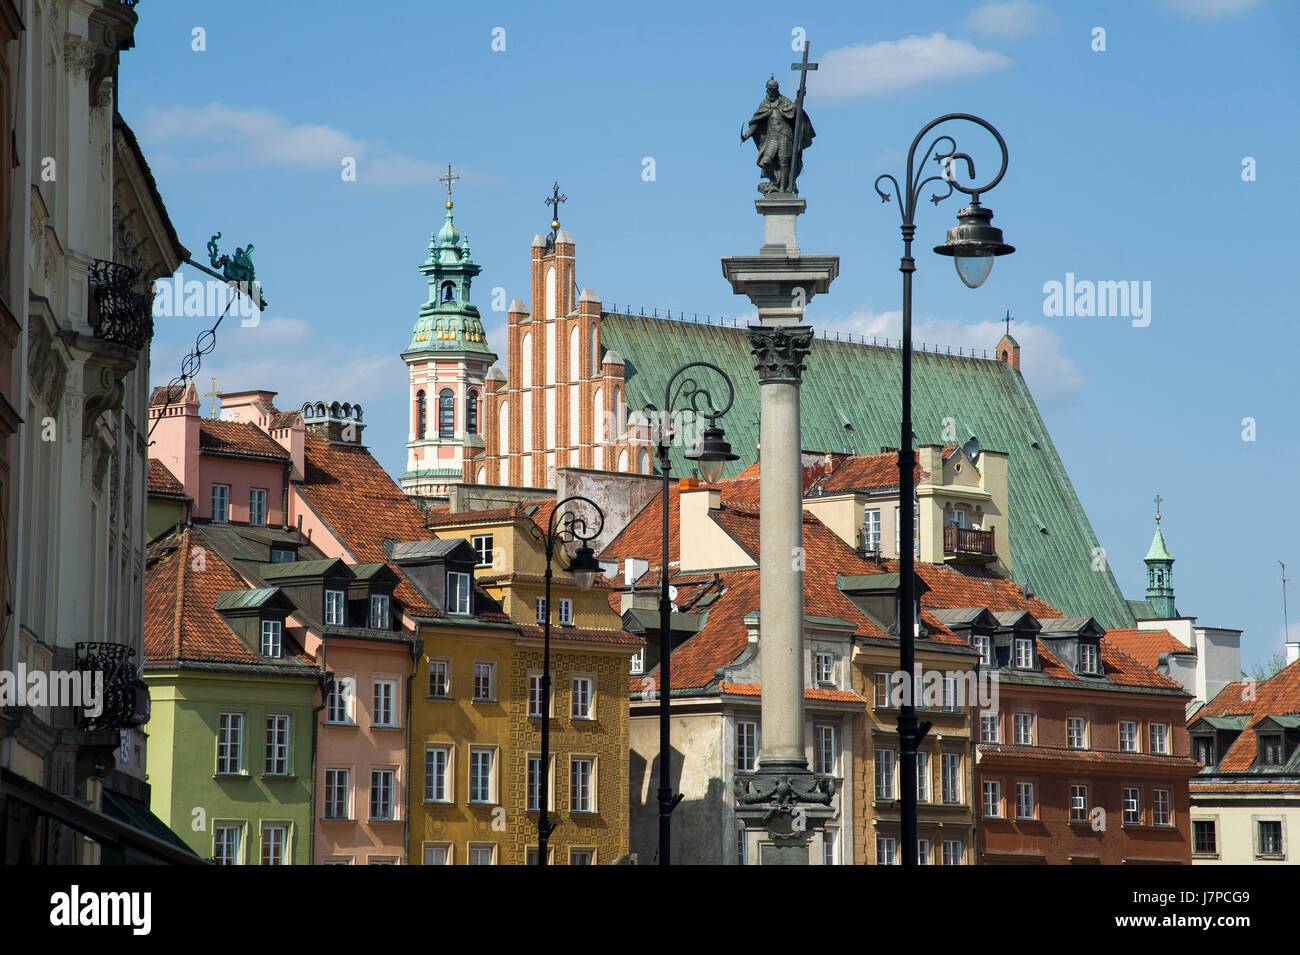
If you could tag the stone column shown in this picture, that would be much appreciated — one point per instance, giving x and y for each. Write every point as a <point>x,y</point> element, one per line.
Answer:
<point>783,800</point>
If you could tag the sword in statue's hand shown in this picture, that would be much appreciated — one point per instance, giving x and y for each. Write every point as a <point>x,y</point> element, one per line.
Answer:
<point>744,132</point>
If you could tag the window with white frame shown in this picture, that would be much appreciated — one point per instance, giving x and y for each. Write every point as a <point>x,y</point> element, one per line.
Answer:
<point>437,759</point>
<point>541,609</point>
<point>335,608</point>
<point>1078,802</point>
<point>1024,727</point>
<point>1160,807</point>
<point>272,638</point>
<point>1089,658</point>
<point>989,728</point>
<point>637,663</point>
<point>534,785</point>
<point>824,667</point>
<point>230,743</point>
<point>746,746</point>
<point>482,544</point>
<point>951,767</point>
<point>1076,732</point>
<point>457,593</point>
<point>385,703</point>
<point>340,709</point>
<point>882,690</point>
<point>257,506</point>
<point>220,503</point>
<point>871,530</point>
<point>275,843</point>
<point>380,618</point>
<point>1128,736</point>
<point>983,644</point>
<point>830,846</point>
<point>225,844</point>
<point>952,852</point>
<point>1159,733</point>
<point>949,693</point>
<point>1024,800</point>
<point>277,745</point>
<point>440,678</point>
<point>1204,747</point>
<point>564,612</point>
<point>536,692</point>
<point>886,850</point>
<point>483,681</point>
<point>381,793</point>
<point>1024,653</point>
<point>885,774</point>
<point>922,851</point>
<point>825,757</point>
<point>582,857</point>
<point>480,774</point>
<point>1132,805</point>
<point>580,698</point>
<point>337,793</point>
<point>482,854</point>
<point>1270,748</point>
<point>992,798</point>
<point>922,777</point>
<point>1270,837</point>
<point>582,781</point>
<point>437,854</point>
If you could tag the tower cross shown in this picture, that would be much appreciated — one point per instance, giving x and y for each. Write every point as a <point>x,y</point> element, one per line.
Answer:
<point>1009,320</point>
<point>797,152</point>
<point>214,395</point>
<point>554,200</point>
<point>449,179</point>
<point>1158,508</point>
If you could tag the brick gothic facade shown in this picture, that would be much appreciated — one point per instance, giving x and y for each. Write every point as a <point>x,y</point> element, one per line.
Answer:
<point>562,400</point>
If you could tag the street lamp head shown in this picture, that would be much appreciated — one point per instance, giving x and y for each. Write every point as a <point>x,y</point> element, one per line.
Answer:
<point>712,454</point>
<point>584,567</point>
<point>973,243</point>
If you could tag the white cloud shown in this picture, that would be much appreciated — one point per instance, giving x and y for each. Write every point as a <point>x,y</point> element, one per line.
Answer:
<point>1212,9</point>
<point>1052,377</point>
<point>877,68</point>
<point>218,135</point>
<point>1006,18</point>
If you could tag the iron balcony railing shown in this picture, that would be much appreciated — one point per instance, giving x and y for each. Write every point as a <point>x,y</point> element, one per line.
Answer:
<point>119,311</point>
<point>125,696</point>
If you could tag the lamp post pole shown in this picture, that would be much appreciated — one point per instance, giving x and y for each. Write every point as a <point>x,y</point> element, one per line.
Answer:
<point>973,243</point>
<point>563,527</point>
<point>712,452</point>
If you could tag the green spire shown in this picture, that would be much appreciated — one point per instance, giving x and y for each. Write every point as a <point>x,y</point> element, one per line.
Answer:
<point>1160,573</point>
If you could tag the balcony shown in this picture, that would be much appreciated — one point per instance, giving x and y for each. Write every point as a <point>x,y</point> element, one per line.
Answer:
<point>120,311</point>
<point>125,697</point>
<point>967,545</point>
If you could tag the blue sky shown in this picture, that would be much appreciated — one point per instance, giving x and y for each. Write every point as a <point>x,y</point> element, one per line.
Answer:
<point>1126,165</point>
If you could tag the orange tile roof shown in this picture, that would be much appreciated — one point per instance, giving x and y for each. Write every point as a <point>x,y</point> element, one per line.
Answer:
<point>1279,695</point>
<point>162,482</point>
<point>1095,756</point>
<point>182,580</point>
<point>810,693</point>
<point>238,438</point>
<point>861,472</point>
<point>586,635</point>
<point>1146,646</point>
<point>346,486</point>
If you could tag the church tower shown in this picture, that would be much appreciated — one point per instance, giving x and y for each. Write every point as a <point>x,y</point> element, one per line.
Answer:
<point>1160,575</point>
<point>448,359</point>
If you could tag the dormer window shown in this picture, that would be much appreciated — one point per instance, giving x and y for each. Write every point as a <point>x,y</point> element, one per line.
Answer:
<point>1089,658</point>
<point>1204,750</point>
<point>825,668</point>
<point>1024,653</point>
<point>379,612</point>
<point>457,592</point>
<point>1270,750</point>
<point>334,608</point>
<point>272,634</point>
<point>983,644</point>
<point>283,555</point>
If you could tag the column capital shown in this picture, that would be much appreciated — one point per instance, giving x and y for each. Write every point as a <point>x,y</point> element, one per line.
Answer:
<point>779,351</point>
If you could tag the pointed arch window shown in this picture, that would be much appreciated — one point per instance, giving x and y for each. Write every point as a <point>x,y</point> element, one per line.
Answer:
<point>471,413</point>
<point>421,414</point>
<point>446,414</point>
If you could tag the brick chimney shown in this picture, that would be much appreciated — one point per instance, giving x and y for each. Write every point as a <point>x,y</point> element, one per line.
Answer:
<point>176,435</point>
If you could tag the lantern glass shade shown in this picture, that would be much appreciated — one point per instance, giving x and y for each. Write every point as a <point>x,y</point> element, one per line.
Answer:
<point>711,471</point>
<point>973,269</point>
<point>584,568</point>
<point>711,454</point>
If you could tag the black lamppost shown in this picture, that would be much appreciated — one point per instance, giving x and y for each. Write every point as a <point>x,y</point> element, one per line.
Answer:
<point>711,452</point>
<point>972,243</point>
<point>564,527</point>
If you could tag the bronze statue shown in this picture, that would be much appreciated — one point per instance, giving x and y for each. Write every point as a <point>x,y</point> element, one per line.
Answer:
<point>782,131</point>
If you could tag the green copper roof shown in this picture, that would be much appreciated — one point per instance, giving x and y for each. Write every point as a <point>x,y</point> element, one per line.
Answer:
<point>861,384</point>
<point>449,321</point>
<point>1158,549</point>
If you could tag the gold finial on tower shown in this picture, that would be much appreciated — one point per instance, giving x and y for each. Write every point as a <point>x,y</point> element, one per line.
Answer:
<point>449,179</point>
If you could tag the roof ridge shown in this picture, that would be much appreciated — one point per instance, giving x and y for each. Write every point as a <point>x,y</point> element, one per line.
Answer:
<point>183,552</point>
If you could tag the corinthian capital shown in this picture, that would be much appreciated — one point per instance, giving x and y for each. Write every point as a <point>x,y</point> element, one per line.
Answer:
<point>779,351</point>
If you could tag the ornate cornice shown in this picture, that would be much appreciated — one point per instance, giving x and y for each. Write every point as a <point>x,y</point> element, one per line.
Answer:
<point>779,351</point>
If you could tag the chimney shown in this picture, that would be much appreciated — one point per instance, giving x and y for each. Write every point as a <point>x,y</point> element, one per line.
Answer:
<point>1292,652</point>
<point>248,407</point>
<point>340,422</point>
<point>176,435</point>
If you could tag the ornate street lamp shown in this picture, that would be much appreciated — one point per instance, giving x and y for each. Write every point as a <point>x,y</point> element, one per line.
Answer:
<point>973,243</point>
<point>564,527</point>
<point>711,453</point>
